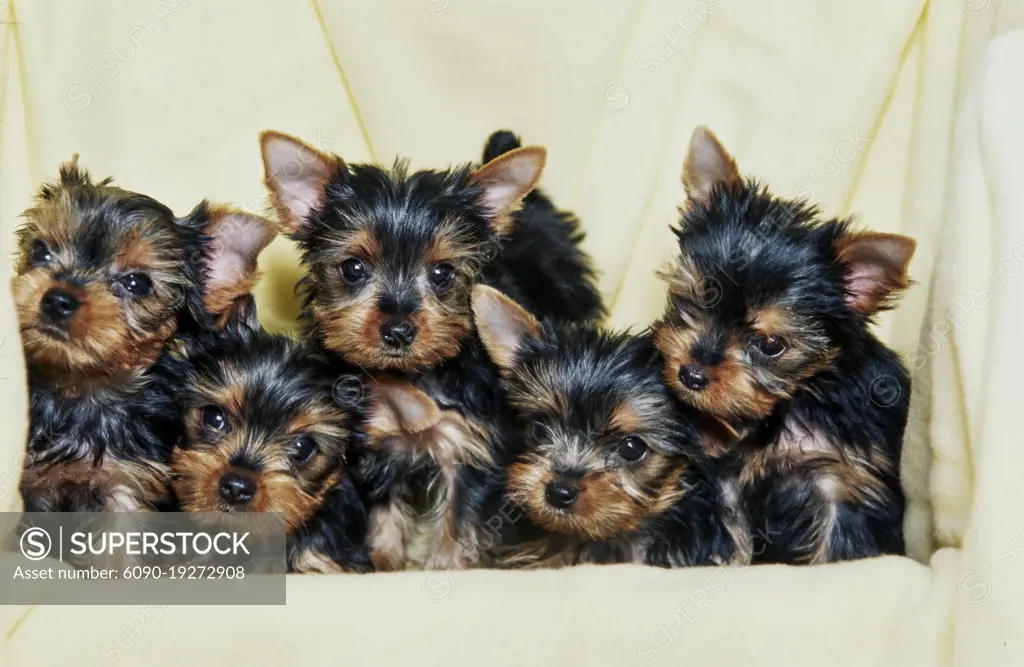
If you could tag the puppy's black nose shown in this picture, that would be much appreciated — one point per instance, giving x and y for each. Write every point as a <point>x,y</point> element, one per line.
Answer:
<point>694,378</point>
<point>58,304</point>
<point>561,493</point>
<point>398,334</point>
<point>236,489</point>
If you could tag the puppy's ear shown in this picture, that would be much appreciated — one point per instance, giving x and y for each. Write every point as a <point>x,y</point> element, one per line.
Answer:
<point>241,320</point>
<point>235,240</point>
<point>503,324</point>
<point>296,175</point>
<point>707,166</point>
<point>399,408</point>
<point>876,268</point>
<point>506,180</point>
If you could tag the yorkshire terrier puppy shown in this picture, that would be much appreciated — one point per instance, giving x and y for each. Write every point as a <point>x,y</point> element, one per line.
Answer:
<point>611,469</point>
<point>392,256</point>
<point>767,331</point>
<point>265,432</point>
<point>106,280</point>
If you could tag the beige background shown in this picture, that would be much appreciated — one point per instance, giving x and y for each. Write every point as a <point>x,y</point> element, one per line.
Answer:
<point>896,110</point>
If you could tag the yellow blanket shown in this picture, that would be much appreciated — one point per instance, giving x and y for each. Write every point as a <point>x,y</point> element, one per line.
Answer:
<point>903,111</point>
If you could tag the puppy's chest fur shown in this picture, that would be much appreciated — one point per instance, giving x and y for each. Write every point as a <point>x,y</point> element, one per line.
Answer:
<point>787,448</point>
<point>797,481</point>
<point>445,481</point>
<point>105,448</point>
<point>334,538</point>
<point>96,423</point>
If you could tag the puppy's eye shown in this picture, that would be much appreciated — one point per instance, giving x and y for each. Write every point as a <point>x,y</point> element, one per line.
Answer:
<point>213,419</point>
<point>303,449</point>
<point>538,432</point>
<point>39,254</point>
<point>354,271</point>
<point>137,284</point>
<point>769,346</point>
<point>441,275</point>
<point>632,449</point>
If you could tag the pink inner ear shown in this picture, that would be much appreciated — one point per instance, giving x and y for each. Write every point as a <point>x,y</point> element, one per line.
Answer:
<point>400,408</point>
<point>503,325</point>
<point>510,177</point>
<point>225,266</point>
<point>876,267</point>
<point>237,241</point>
<point>499,196</point>
<point>863,287</point>
<point>707,164</point>
<point>382,417</point>
<point>297,174</point>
